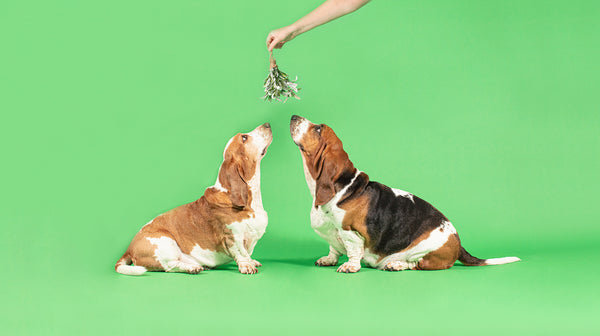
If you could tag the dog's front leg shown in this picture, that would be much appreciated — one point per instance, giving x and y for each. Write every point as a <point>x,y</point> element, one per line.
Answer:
<point>355,247</point>
<point>327,230</point>
<point>238,251</point>
<point>242,258</point>
<point>329,260</point>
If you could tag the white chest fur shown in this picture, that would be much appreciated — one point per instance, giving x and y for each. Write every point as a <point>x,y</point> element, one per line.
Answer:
<point>327,220</point>
<point>246,232</point>
<point>312,184</point>
<point>249,231</point>
<point>325,227</point>
<point>258,224</point>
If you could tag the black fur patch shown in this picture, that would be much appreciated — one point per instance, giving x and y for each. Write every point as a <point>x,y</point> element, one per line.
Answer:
<point>393,222</point>
<point>344,179</point>
<point>356,188</point>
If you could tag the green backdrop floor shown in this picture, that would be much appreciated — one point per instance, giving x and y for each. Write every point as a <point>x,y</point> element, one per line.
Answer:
<point>551,292</point>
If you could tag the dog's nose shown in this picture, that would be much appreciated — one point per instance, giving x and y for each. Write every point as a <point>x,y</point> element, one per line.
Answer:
<point>295,117</point>
<point>267,125</point>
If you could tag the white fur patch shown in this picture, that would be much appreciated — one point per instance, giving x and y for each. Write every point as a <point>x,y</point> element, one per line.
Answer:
<point>310,181</point>
<point>354,245</point>
<point>324,227</point>
<point>166,250</point>
<point>500,261</point>
<point>131,270</point>
<point>403,193</point>
<point>209,258</point>
<point>259,140</point>
<point>254,185</point>
<point>300,129</point>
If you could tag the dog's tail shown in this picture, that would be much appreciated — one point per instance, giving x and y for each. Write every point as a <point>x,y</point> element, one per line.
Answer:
<point>123,266</point>
<point>468,260</point>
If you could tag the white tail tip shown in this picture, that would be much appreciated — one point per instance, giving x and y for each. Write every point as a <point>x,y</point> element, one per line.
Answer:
<point>131,270</point>
<point>500,261</point>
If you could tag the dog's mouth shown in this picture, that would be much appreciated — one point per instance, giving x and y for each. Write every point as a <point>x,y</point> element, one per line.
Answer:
<point>264,151</point>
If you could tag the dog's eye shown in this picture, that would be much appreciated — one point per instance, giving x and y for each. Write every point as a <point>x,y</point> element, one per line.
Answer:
<point>318,129</point>
<point>244,137</point>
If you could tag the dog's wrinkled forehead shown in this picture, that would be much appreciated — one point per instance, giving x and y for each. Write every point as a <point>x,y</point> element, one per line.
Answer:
<point>300,129</point>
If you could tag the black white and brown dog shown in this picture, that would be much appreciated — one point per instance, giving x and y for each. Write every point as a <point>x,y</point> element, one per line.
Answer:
<point>386,228</point>
<point>223,225</point>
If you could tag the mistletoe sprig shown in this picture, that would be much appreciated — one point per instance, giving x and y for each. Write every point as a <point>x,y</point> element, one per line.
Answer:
<point>278,84</point>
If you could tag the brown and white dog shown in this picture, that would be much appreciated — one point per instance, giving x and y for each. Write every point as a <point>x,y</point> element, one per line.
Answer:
<point>221,226</point>
<point>387,228</point>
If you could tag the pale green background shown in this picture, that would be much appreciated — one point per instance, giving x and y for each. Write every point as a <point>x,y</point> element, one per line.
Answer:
<point>115,111</point>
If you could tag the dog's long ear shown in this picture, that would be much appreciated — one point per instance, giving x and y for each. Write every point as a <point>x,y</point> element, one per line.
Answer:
<point>325,170</point>
<point>231,176</point>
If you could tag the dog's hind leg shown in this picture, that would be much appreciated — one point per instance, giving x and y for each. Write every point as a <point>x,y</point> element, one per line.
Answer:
<point>168,254</point>
<point>182,267</point>
<point>442,258</point>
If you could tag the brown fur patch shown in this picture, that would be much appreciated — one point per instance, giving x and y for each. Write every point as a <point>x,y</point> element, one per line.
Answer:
<point>356,213</point>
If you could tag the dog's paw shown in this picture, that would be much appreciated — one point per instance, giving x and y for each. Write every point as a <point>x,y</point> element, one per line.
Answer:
<point>393,266</point>
<point>195,269</point>
<point>326,261</point>
<point>256,263</point>
<point>247,268</point>
<point>349,267</point>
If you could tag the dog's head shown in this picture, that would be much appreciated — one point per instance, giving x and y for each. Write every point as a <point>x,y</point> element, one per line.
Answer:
<point>323,156</point>
<point>241,160</point>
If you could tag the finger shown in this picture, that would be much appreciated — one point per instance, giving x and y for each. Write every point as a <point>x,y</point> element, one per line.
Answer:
<point>270,39</point>
<point>273,44</point>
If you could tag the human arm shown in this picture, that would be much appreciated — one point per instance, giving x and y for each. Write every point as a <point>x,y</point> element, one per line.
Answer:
<point>327,11</point>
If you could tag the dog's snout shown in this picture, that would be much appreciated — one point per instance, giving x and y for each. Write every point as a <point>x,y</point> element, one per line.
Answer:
<point>267,125</point>
<point>295,117</point>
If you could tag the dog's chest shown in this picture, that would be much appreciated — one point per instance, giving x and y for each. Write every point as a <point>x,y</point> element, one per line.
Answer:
<point>331,213</point>
<point>250,229</point>
<point>327,221</point>
<point>256,226</point>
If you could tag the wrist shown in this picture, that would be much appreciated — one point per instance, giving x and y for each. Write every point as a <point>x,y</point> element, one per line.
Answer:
<point>295,29</point>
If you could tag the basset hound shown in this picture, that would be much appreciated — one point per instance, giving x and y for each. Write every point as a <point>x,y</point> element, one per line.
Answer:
<point>223,225</point>
<point>386,228</point>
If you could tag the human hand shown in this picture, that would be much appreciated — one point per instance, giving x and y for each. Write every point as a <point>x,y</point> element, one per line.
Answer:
<point>278,37</point>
